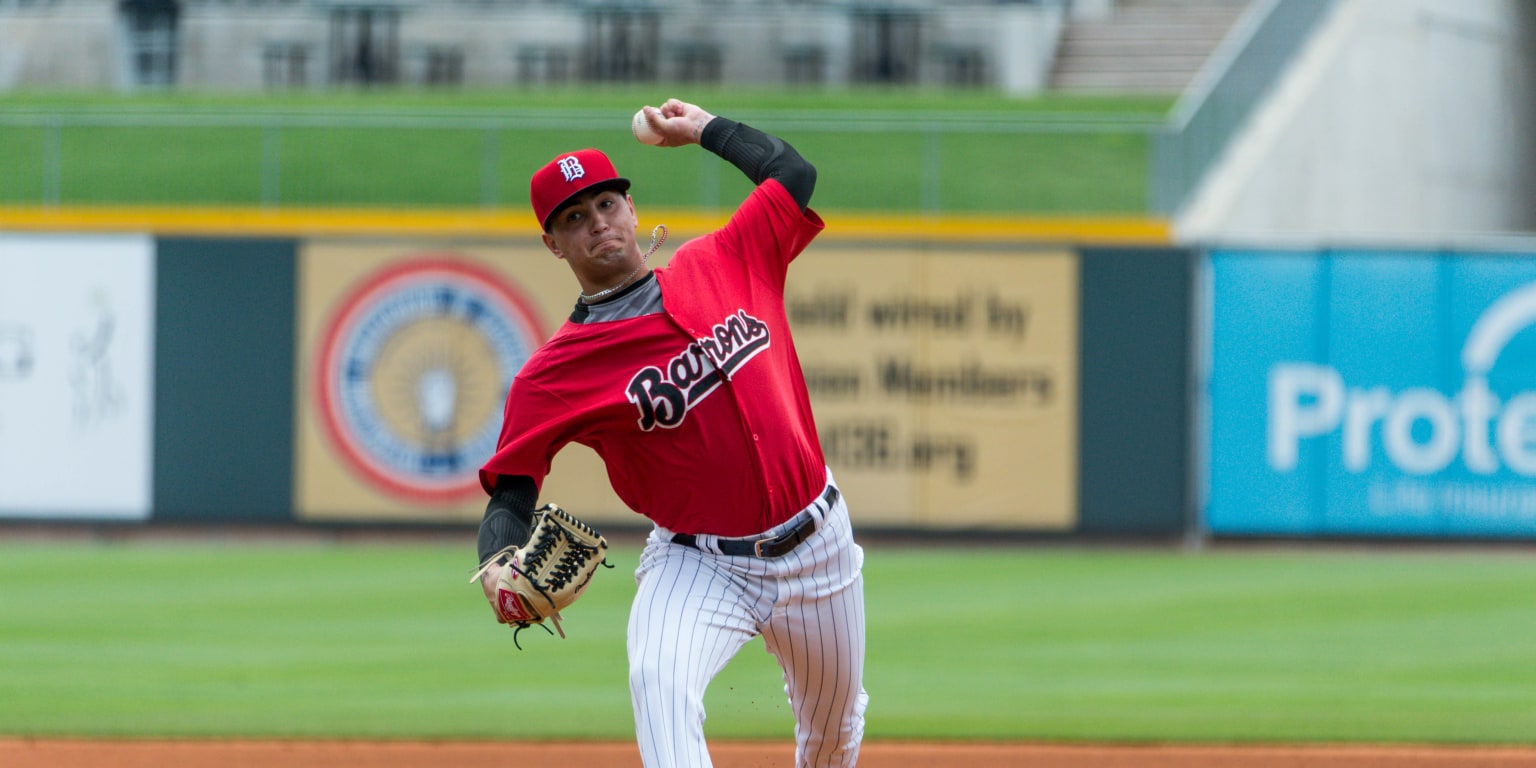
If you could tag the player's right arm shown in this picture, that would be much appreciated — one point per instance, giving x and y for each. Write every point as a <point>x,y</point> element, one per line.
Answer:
<point>761,156</point>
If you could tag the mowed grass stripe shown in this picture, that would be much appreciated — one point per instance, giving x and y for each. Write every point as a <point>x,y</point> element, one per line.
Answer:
<point>389,640</point>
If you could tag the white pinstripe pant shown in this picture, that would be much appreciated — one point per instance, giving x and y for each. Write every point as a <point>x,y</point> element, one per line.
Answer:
<point>695,609</point>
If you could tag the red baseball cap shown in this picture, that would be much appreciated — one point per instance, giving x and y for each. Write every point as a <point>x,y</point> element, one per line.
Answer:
<point>568,175</point>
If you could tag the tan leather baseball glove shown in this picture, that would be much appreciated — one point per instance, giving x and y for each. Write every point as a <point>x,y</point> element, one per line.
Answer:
<point>551,571</point>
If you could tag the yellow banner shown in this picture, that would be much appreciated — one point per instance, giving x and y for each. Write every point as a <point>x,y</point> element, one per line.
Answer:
<point>406,353</point>
<point>944,383</point>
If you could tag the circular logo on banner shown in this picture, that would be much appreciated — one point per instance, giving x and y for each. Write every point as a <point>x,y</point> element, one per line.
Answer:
<point>413,372</point>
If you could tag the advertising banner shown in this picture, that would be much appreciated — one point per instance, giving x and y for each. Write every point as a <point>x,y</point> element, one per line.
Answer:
<point>1372,392</point>
<point>944,383</point>
<point>406,352</point>
<point>76,376</point>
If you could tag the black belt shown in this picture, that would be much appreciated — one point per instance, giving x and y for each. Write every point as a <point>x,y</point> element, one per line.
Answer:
<point>767,548</point>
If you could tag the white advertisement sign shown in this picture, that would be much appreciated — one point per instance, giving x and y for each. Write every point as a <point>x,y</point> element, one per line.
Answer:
<point>76,376</point>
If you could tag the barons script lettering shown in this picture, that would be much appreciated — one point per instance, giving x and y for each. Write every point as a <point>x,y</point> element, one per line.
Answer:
<point>664,396</point>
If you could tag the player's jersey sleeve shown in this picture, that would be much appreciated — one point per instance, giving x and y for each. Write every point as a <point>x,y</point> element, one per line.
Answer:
<point>768,232</point>
<point>533,430</point>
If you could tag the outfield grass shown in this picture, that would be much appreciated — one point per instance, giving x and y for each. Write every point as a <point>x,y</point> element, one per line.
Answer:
<point>389,640</point>
<point>877,150</point>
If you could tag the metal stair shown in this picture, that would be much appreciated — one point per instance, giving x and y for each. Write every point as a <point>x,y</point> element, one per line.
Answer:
<point>1144,46</point>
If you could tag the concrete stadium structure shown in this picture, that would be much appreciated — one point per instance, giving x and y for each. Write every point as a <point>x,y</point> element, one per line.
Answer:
<point>254,44</point>
<point>1403,118</point>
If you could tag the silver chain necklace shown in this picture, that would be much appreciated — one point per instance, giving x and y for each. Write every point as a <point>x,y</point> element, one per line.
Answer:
<point>656,241</point>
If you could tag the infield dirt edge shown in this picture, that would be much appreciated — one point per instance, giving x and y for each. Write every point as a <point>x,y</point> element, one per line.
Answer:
<point>80,753</point>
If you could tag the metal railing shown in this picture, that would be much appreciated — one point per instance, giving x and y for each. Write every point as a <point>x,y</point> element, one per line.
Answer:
<point>1225,92</point>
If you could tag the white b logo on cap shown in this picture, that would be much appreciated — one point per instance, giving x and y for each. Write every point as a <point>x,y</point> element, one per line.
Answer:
<point>572,169</point>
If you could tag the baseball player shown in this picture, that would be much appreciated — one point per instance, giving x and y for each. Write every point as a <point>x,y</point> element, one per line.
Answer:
<point>684,379</point>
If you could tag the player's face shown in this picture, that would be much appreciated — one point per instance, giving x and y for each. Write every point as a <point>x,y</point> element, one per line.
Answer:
<point>596,233</point>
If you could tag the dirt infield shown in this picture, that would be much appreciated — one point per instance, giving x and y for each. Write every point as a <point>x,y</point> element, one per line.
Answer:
<point>38,753</point>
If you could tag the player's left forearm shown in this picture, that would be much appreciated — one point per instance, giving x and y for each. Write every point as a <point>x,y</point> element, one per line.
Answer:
<point>508,516</point>
<point>761,157</point>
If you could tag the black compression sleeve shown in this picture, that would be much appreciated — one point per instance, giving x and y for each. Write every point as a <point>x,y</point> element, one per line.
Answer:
<point>761,157</point>
<point>508,516</point>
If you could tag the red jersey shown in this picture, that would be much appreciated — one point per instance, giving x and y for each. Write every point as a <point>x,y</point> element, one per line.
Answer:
<point>700,412</point>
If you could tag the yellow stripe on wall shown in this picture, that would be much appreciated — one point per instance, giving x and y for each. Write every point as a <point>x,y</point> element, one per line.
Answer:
<point>967,228</point>
<point>517,223</point>
<point>290,222</point>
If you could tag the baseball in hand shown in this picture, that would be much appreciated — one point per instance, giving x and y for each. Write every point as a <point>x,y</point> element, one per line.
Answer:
<point>644,133</point>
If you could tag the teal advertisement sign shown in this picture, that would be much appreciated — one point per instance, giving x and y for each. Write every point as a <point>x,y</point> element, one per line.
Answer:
<point>1372,393</point>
